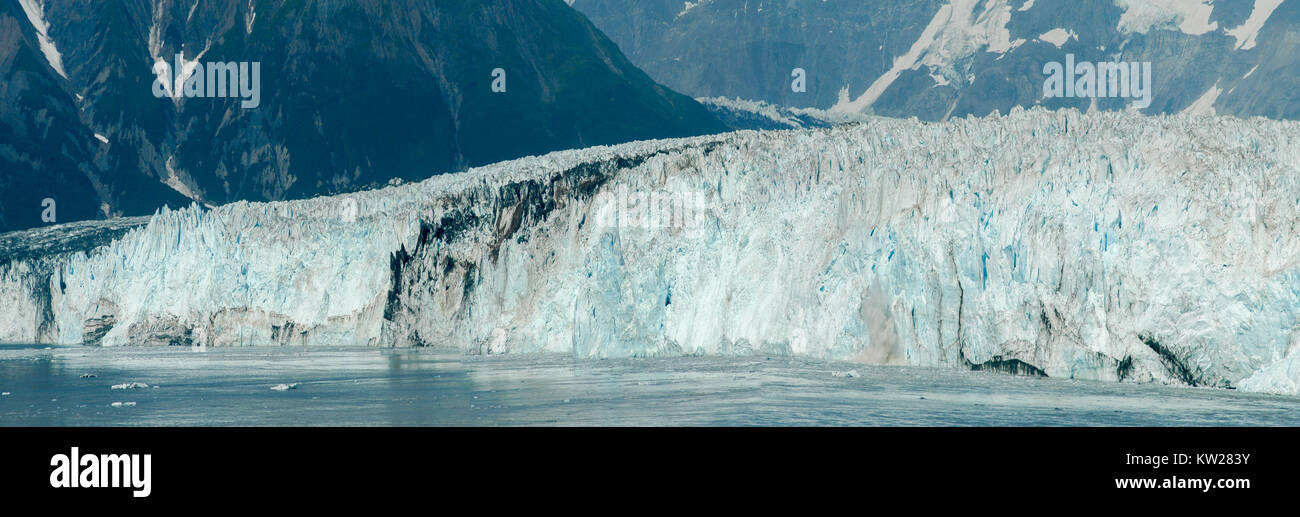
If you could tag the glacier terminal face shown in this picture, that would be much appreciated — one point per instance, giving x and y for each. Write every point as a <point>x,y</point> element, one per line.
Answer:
<point>1103,246</point>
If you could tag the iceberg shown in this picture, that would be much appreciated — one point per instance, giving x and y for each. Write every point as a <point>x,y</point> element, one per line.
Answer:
<point>1107,246</point>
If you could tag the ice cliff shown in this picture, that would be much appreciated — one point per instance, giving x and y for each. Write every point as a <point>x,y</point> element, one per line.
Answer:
<point>1097,246</point>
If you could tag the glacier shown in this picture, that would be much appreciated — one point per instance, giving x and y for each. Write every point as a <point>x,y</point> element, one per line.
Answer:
<point>1106,245</point>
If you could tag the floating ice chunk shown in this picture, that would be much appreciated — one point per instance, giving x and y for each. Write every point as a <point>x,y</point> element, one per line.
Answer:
<point>285,387</point>
<point>130,386</point>
<point>123,404</point>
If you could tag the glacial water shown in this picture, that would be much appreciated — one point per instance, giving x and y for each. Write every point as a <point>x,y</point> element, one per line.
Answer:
<point>73,386</point>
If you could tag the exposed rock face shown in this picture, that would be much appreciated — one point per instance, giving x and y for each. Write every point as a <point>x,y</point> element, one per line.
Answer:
<point>96,326</point>
<point>935,59</point>
<point>45,150</point>
<point>351,95</point>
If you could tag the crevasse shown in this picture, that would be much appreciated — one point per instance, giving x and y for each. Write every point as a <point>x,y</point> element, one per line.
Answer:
<point>1103,246</point>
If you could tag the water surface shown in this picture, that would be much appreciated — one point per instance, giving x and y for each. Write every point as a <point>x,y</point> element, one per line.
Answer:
<point>371,386</point>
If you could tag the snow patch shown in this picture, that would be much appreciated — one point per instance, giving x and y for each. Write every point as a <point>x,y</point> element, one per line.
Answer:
<point>36,15</point>
<point>906,61</point>
<point>939,80</point>
<point>252,15</point>
<point>781,115</point>
<point>687,6</point>
<point>174,181</point>
<point>955,32</point>
<point>155,33</point>
<point>1205,104</point>
<point>1246,33</point>
<point>1190,16</point>
<point>1058,36</point>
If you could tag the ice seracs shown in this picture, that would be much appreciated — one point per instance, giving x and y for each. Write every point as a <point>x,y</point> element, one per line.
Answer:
<point>1105,246</point>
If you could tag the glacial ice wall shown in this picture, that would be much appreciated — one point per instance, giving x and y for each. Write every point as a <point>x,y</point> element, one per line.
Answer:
<point>1097,246</point>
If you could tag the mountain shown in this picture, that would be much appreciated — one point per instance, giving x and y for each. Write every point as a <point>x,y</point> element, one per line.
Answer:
<point>28,172</point>
<point>1108,246</point>
<point>53,167</point>
<point>937,59</point>
<point>349,94</point>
